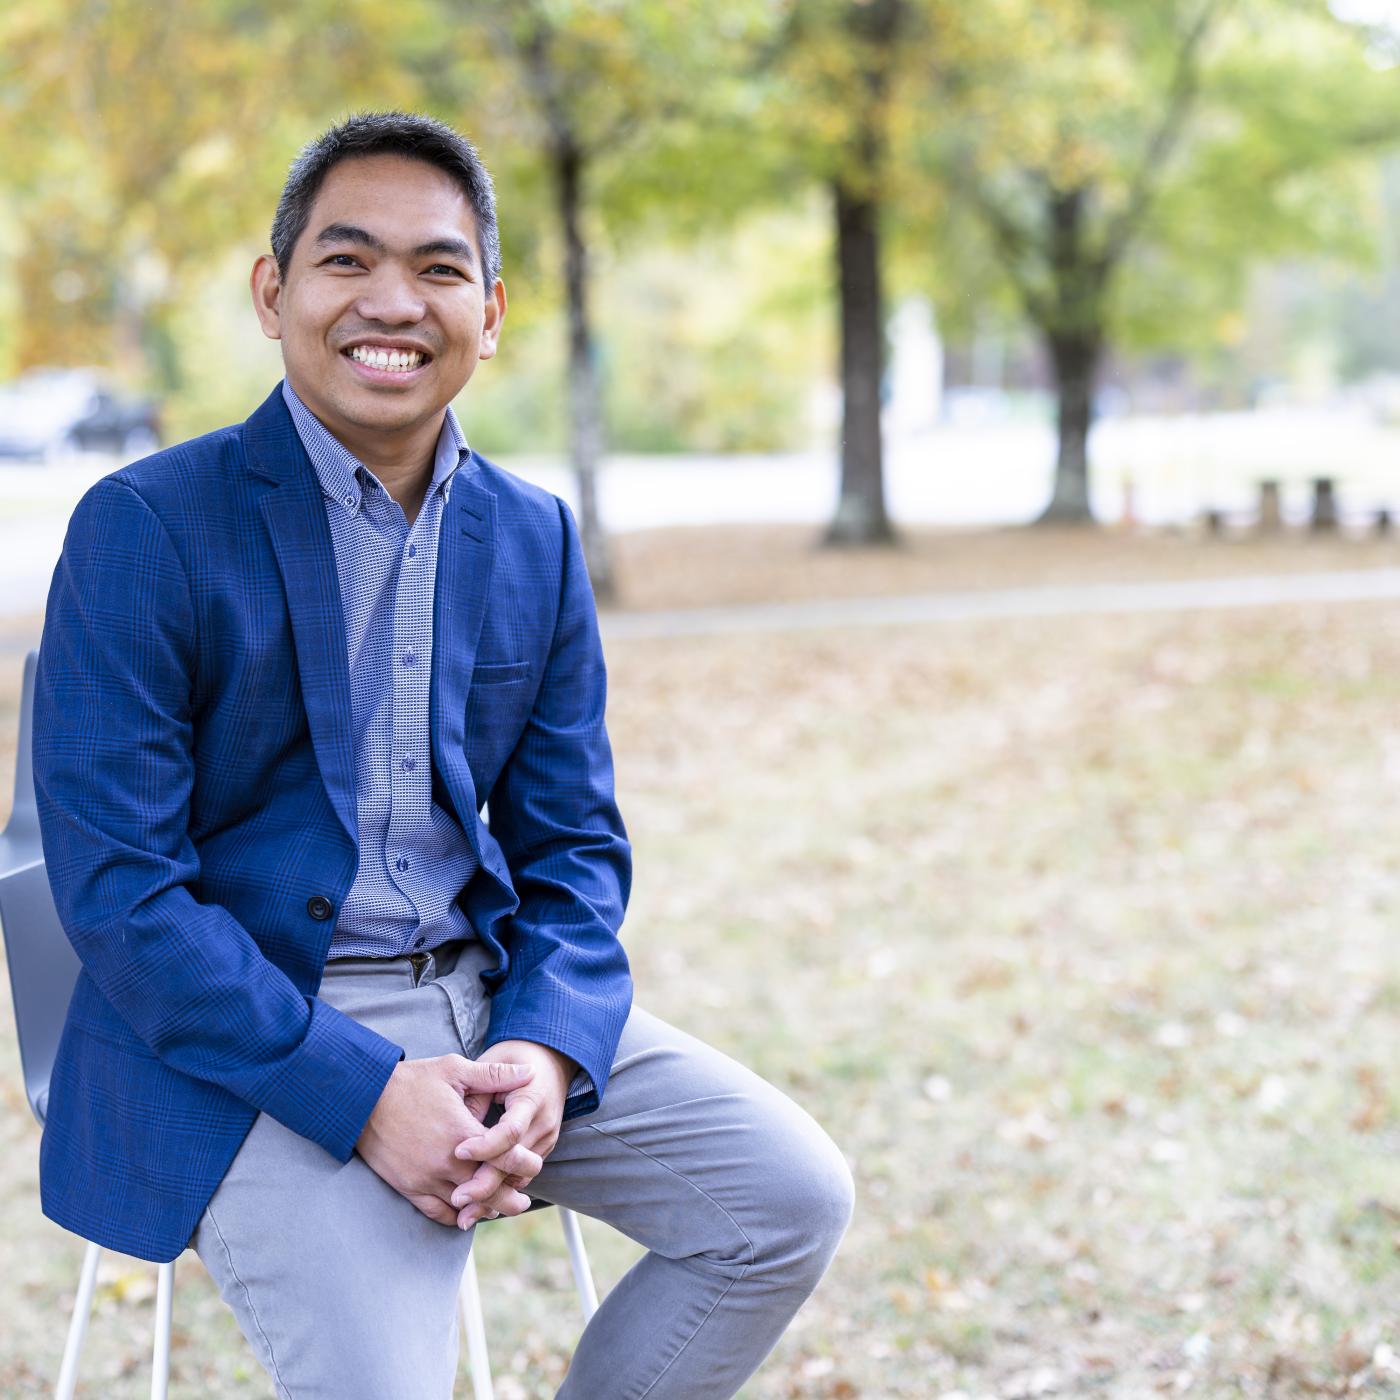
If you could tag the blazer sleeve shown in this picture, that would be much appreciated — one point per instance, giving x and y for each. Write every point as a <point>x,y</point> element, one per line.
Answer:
<point>114,769</point>
<point>553,812</point>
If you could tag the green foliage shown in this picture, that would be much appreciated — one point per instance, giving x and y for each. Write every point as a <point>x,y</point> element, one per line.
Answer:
<point>143,142</point>
<point>1200,137</point>
<point>702,347</point>
<point>648,105</point>
<point>832,96</point>
<point>655,94</point>
<point>716,348</point>
<point>226,364</point>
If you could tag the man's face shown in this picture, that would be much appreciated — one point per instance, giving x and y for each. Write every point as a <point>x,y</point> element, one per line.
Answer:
<point>388,266</point>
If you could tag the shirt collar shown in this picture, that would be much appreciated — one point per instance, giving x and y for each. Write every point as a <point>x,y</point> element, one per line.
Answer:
<point>342,474</point>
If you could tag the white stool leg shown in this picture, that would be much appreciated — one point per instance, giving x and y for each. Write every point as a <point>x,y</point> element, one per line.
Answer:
<point>77,1326</point>
<point>160,1358</point>
<point>469,1299</point>
<point>583,1275</point>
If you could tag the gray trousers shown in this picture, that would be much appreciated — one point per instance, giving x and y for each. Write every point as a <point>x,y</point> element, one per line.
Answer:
<point>346,1292</point>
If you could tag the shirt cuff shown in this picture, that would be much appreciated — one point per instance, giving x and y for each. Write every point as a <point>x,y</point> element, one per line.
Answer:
<point>581,1096</point>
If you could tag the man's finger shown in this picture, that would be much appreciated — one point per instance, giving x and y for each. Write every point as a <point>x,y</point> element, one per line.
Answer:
<point>435,1208</point>
<point>519,1163</point>
<point>484,1182</point>
<point>489,1076</point>
<point>505,1203</point>
<point>509,1130</point>
<point>516,1167</point>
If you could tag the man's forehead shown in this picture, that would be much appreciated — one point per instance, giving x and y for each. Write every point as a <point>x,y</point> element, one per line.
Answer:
<point>402,202</point>
<point>385,168</point>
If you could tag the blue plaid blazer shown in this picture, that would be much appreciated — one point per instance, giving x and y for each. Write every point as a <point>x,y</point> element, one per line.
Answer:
<point>195,779</point>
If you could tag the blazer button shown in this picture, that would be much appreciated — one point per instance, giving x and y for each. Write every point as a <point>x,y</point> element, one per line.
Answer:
<point>319,907</point>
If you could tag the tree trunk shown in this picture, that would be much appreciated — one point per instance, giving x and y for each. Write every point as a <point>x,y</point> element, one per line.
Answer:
<point>860,511</point>
<point>1074,336</point>
<point>1075,359</point>
<point>585,405</point>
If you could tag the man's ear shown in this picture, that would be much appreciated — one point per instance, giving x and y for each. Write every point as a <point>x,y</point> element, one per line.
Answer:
<point>495,313</point>
<point>266,286</point>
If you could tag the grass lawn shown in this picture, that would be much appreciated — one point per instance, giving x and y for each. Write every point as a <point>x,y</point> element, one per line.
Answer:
<point>1079,936</point>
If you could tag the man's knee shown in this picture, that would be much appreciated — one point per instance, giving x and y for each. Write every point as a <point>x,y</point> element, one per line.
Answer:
<point>809,1200</point>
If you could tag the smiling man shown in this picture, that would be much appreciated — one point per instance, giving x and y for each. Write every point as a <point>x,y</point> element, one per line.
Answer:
<point>330,1017</point>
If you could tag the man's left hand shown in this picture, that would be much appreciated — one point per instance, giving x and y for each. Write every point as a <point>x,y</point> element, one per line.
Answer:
<point>512,1151</point>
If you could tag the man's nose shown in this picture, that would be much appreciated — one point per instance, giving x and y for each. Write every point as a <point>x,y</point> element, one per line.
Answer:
<point>390,297</point>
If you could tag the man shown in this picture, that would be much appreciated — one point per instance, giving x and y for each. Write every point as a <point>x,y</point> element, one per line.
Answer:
<point>284,668</point>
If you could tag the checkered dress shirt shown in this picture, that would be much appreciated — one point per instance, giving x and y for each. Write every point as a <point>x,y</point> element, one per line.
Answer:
<point>414,856</point>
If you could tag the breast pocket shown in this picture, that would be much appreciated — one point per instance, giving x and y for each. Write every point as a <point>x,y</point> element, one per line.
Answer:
<point>498,707</point>
<point>500,673</point>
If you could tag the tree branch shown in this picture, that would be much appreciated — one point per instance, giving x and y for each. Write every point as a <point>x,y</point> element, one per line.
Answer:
<point>1011,241</point>
<point>1184,87</point>
<point>523,28</point>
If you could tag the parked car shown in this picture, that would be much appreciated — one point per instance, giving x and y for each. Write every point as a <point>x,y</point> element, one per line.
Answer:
<point>48,412</point>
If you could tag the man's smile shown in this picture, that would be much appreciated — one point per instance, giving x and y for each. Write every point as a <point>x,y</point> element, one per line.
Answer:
<point>384,361</point>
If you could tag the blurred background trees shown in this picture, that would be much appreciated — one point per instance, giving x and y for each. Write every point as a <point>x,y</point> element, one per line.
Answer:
<point>583,84</point>
<point>710,215</point>
<point>1129,162</point>
<point>832,108</point>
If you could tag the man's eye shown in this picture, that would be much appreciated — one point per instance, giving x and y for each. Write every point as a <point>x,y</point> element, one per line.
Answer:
<point>437,269</point>
<point>341,260</point>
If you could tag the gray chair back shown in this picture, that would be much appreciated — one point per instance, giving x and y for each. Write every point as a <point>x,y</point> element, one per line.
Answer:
<point>43,966</point>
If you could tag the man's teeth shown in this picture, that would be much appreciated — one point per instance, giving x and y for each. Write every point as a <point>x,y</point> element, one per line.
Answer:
<point>387,359</point>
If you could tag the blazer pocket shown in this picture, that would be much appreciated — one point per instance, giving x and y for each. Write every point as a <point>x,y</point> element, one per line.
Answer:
<point>499,674</point>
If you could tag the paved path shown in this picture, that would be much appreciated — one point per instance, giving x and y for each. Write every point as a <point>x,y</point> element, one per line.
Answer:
<point>1247,591</point>
<point>1071,600</point>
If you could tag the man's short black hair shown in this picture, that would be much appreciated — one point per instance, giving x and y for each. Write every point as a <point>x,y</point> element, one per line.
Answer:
<point>379,134</point>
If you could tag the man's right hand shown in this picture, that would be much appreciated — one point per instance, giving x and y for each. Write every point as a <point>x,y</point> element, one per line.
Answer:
<point>420,1118</point>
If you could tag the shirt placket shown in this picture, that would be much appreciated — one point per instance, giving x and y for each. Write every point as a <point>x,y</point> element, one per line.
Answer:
<point>411,768</point>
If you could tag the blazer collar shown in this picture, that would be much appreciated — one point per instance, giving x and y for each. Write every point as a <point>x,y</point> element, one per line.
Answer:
<point>295,516</point>
<point>270,441</point>
<point>465,562</point>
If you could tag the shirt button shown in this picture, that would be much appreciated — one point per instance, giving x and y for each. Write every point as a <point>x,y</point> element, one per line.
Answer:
<point>319,907</point>
<point>409,657</point>
<point>402,863</point>
<point>419,942</point>
<point>408,765</point>
<point>412,550</point>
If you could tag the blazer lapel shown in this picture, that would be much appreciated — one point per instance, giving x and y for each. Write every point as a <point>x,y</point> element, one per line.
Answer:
<point>466,554</point>
<point>295,516</point>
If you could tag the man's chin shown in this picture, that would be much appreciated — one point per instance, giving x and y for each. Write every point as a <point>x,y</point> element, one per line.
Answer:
<point>391,417</point>
<point>388,413</point>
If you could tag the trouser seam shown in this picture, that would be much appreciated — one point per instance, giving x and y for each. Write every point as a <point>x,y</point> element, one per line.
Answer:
<point>694,1185</point>
<point>252,1311</point>
<point>661,1374</point>
<point>743,1235</point>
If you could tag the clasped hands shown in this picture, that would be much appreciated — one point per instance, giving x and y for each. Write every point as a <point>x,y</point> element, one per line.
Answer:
<point>427,1136</point>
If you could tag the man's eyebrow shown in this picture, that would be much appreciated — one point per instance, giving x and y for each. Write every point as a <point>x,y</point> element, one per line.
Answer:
<point>451,247</point>
<point>350,233</point>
